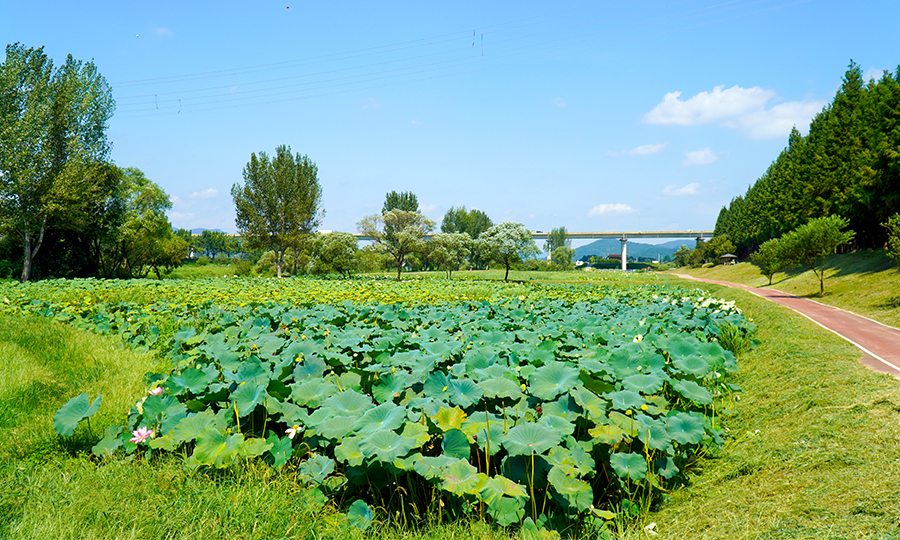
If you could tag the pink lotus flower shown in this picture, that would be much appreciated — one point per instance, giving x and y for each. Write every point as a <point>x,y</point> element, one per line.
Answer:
<point>291,431</point>
<point>141,434</point>
<point>156,391</point>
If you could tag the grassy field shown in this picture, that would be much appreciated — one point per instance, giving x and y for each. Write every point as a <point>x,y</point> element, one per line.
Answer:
<point>812,451</point>
<point>864,282</point>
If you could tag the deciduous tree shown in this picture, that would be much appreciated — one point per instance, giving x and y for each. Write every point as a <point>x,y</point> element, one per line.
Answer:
<point>768,258</point>
<point>562,257</point>
<point>334,252</point>
<point>557,238</point>
<point>52,133</point>
<point>279,203</point>
<point>448,251</point>
<point>507,244</point>
<point>812,243</point>
<point>398,233</point>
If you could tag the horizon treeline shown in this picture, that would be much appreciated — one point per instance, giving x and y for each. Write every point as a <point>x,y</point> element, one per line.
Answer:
<point>848,165</point>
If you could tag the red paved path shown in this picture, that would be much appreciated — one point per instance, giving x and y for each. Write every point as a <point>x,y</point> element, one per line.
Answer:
<point>879,343</point>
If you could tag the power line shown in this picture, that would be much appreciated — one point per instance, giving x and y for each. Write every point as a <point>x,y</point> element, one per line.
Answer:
<point>212,98</point>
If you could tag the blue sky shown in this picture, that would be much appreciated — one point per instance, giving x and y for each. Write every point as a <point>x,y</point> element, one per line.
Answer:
<point>596,116</point>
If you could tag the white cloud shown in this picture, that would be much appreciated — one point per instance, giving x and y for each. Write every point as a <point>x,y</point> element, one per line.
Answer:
<point>178,216</point>
<point>559,102</point>
<point>427,208</point>
<point>690,189</point>
<point>778,121</point>
<point>163,32</point>
<point>735,107</point>
<point>611,209</point>
<point>643,150</point>
<point>208,193</point>
<point>699,157</point>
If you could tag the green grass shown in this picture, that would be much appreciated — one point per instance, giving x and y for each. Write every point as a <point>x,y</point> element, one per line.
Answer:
<point>813,451</point>
<point>864,282</point>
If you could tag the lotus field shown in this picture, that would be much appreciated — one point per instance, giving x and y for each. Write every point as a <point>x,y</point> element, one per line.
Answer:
<point>524,404</point>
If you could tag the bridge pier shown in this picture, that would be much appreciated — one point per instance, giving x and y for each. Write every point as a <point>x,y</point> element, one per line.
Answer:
<point>624,253</point>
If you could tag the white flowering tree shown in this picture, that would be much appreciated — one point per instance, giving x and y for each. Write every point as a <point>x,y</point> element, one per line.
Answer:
<point>507,244</point>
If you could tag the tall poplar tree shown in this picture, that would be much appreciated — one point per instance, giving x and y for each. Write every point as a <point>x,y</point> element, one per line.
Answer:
<point>279,203</point>
<point>52,135</point>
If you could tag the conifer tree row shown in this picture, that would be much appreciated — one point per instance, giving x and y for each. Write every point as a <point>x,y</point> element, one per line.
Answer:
<point>848,165</point>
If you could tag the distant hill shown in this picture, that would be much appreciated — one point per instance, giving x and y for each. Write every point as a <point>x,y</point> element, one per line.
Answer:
<point>607,246</point>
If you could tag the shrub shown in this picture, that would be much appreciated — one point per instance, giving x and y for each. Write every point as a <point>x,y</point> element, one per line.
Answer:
<point>893,243</point>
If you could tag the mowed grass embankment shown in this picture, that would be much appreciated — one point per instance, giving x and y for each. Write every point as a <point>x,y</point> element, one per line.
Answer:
<point>814,452</point>
<point>51,488</point>
<point>865,282</point>
<point>815,447</point>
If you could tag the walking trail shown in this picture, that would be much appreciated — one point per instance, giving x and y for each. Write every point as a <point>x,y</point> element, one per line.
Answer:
<point>879,342</point>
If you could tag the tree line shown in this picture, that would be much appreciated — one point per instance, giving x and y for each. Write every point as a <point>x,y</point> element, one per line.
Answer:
<point>60,193</point>
<point>848,165</point>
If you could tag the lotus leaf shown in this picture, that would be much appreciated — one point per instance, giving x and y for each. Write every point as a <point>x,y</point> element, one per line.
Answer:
<point>254,447</point>
<point>192,379</point>
<point>608,434</point>
<point>577,492</point>
<point>348,451</point>
<point>573,460</point>
<point>692,365</point>
<point>360,515</point>
<point>665,467</point>
<point>552,379</point>
<point>437,386</point>
<point>625,399</point>
<point>416,431</point>
<point>590,402</point>
<point>564,407</point>
<point>386,446</point>
<point>557,424</point>
<point>189,427</point>
<point>386,416</point>
<point>484,429</point>
<point>456,444</point>
<point>643,383</point>
<point>390,386</point>
<point>693,392</point>
<point>496,487</point>
<point>217,449</point>
<point>167,411</point>
<point>336,427</point>
<point>110,442</point>
<point>74,411</point>
<point>348,403</point>
<point>248,396</point>
<point>629,465</point>
<point>316,469</point>
<point>529,438</point>
<point>251,369</point>
<point>281,450</point>
<point>460,478</point>
<point>500,387</point>
<point>653,434</point>
<point>312,367</point>
<point>685,429</point>
<point>433,467</point>
<point>407,463</point>
<point>312,392</point>
<point>464,392</point>
<point>449,418</point>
